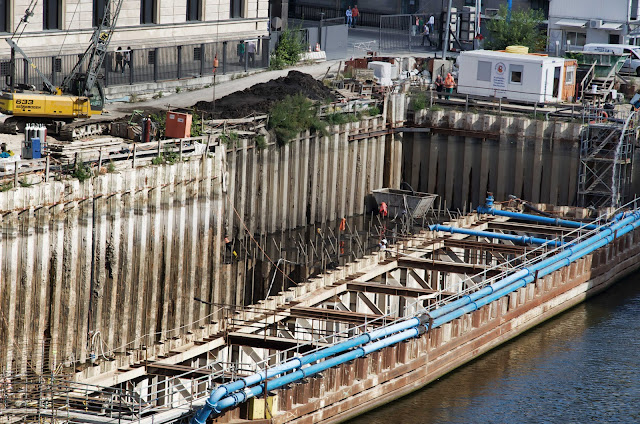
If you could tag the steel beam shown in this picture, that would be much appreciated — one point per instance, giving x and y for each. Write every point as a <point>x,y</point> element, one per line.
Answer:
<point>442,266</point>
<point>271,342</point>
<point>391,290</point>
<point>336,315</point>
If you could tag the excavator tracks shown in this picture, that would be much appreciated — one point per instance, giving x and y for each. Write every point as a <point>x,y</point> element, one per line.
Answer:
<point>65,131</point>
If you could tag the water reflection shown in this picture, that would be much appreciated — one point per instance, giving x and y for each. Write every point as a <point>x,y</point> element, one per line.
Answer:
<point>583,366</point>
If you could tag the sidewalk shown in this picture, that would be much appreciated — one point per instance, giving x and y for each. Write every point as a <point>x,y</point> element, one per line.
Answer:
<point>189,98</point>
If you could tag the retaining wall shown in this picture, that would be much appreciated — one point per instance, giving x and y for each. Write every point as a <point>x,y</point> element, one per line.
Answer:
<point>466,154</point>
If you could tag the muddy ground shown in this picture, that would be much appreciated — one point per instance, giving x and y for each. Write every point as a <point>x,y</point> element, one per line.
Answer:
<point>259,98</point>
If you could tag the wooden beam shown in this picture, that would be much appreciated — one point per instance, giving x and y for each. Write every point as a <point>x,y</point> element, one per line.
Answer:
<point>391,290</point>
<point>442,266</point>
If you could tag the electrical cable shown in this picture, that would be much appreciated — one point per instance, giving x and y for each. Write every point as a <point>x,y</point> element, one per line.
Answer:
<point>69,26</point>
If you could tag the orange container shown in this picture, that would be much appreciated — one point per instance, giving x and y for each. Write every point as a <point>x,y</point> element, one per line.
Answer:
<point>178,125</point>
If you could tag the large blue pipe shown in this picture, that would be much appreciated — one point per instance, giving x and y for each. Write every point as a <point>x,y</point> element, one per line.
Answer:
<point>488,209</point>
<point>276,383</point>
<point>488,294</point>
<point>212,403</point>
<point>499,236</point>
<point>531,269</point>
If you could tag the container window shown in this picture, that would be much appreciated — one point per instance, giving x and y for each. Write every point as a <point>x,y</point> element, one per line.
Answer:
<point>515,74</point>
<point>484,71</point>
<point>571,76</point>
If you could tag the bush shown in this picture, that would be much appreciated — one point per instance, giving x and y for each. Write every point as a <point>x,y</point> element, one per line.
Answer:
<point>419,101</point>
<point>81,170</point>
<point>160,119</point>
<point>373,111</point>
<point>294,114</point>
<point>521,29</point>
<point>261,142</point>
<point>230,139</point>
<point>6,186</point>
<point>24,183</point>
<point>111,167</point>
<point>196,124</point>
<point>288,50</point>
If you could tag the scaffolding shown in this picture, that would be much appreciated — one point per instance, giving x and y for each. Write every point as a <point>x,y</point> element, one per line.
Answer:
<point>606,155</point>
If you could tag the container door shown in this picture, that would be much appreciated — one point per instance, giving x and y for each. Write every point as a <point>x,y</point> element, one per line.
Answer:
<point>556,81</point>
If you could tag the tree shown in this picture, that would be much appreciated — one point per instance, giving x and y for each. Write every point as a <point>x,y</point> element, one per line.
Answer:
<point>522,29</point>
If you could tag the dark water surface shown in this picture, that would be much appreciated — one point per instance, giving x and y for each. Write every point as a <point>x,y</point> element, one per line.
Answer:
<point>581,367</point>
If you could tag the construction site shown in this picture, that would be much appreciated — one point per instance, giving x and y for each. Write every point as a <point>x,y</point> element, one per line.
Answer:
<point>300,246</point>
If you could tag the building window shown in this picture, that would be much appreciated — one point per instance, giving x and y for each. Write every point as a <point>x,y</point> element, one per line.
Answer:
<point>147,11</point>
<point>51,14</point>
<point>194,8</point>
<point>614,38</point>
<point>4,15</point>
<point>576,38</point>
<point>236,9</point>
<point>98,11</point>
<point>515,74</point>
<point>484,71</point>
<point>571,76</point>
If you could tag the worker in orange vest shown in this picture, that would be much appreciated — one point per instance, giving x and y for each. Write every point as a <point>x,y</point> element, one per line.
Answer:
<point>384,210</point>
<point>449,84</point>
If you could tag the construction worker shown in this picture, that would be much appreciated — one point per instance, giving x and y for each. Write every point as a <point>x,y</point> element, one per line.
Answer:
<point>449,84</point>
<point>384,211</point>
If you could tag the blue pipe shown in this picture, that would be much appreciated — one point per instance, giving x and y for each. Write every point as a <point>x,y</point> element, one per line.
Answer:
<point>245,395</point>
<point>530,270</point>
<point>488,294</point>
<point>489,234</point>
<point>488,209</point>
<point>212,403</point>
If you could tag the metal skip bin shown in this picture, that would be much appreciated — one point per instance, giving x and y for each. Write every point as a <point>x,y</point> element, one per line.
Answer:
<point>415,203</point>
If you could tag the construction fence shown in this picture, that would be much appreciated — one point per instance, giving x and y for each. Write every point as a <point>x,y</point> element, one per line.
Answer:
<point>148,64</point>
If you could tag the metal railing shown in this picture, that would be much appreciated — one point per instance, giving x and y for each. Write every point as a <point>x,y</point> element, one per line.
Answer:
<point>149,64</point>
<point>314,13</point>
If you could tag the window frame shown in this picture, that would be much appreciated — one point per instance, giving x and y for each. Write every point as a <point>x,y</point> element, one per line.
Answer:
<point>484,63</point>
<point>46,6</point>
<point>144,20</point>
<point>571,70</point>
<point>191,4</point>
<point>513,68</point>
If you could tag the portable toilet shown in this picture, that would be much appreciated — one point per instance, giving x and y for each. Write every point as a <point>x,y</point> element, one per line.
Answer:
<point>32,149</point>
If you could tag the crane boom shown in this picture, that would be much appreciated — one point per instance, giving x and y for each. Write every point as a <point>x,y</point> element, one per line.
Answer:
<point>96,52</point>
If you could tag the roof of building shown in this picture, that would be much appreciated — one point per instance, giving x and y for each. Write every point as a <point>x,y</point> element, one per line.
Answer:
<point>513,56</point>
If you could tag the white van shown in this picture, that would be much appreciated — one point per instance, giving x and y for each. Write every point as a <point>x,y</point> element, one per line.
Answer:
<point>631,65</point>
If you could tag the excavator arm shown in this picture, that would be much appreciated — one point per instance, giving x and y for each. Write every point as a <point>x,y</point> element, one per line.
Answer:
<point>79,82</point>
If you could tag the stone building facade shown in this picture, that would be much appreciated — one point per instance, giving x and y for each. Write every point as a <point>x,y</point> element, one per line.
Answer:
<point>66,25</point>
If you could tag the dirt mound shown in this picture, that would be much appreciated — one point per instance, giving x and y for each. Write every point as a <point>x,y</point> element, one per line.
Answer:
<point>260,97</point>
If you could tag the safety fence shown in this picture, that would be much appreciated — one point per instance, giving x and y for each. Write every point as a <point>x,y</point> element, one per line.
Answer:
<point>132,66</point>
<point>315,13</point>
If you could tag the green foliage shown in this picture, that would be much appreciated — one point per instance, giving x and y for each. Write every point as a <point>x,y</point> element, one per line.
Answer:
<point>81,170</point>
<point>230,139</point>
<point>261,142</point>
<point>373,111</point>
<point>435,108</point>
<point>523,29</point>
<point>288,50</point>
<point>196,124</point>
<point>160,119</point>
<point>292,115</point>
<point>133,98</point>
<point>158,95</point>
<point>170,156</point>
<point>158,160</point>
<point>419,101</point>
<point>6,186</point>
<point>25,183</point>
<point>338,118</point>
<point>111,167</point>
<point>178,90</point>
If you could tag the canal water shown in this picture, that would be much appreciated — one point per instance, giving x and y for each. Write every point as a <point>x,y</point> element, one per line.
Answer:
<point>582,366</point>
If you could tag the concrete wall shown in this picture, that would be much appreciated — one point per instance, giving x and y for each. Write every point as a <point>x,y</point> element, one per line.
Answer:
<point>123,254</point>
<point>171,27</point>
<point>467,155</point>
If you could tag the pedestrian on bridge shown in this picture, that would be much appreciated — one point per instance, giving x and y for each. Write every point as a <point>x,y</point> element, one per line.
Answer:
<point>354,15</point>
<point>349,17</point>
<point>426,34</point>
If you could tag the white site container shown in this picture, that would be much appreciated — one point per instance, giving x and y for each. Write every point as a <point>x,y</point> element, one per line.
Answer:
<point>520,77</point>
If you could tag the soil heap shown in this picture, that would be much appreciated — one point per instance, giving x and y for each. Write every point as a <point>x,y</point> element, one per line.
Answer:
<point>259,98</point>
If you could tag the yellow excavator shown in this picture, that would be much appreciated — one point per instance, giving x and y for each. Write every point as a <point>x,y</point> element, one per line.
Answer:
<point>65,109</point>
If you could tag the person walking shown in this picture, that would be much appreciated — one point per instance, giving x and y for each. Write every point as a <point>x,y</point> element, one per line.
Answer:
<point>449,84</point>
<point>119,60</point>
<point>431,22</point>
<point>439,83</point>
<point>426,34</point>
<point>126,57</point>
<point>354,15</point>
<point>349,17</point>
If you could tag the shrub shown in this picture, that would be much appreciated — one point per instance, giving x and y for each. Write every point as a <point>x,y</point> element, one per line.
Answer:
<point>230,139</point>
<point>111,167</point>
<point>261,142</point>
<point>81,170</point>
<point>6,186</point>
<point>294,114</point>
<point>373,111</point>
<point>522,28</point>
<point>419,101</point>
<point>288,50</point>
<point>178,90</point>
